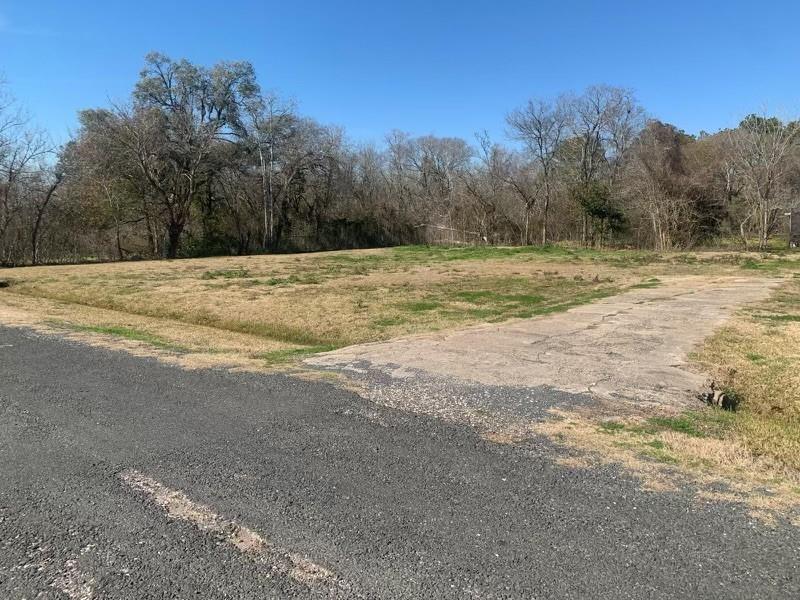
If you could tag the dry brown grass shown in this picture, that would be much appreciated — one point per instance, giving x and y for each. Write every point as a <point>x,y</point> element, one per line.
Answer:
<point>716,464</point>
<point>261,310</point>
<point>757,357</point>
<point>266,308</point>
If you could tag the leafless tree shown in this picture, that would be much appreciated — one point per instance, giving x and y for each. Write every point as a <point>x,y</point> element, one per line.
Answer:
<point>761,149</point>
<point>485,184</point>
<point>542,126</point>
<point>268,118</point>
<point>605,122</point>
<point>42,194</point>
<point>22,151</point>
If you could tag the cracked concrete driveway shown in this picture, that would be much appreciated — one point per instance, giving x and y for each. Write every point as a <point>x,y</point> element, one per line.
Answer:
<point>630,348</point>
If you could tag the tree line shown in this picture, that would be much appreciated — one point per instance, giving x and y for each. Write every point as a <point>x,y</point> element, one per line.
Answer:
<point>202,161</point>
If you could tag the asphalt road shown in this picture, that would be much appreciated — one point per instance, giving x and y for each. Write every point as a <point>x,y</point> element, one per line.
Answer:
<point>121,477</point>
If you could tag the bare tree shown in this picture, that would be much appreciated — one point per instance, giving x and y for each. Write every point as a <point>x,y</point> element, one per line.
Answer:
<point>484,183</point>
<point>542,126</point>
<point>268,119</point>
<point>761,148</point>
<point>22,150</point>
<point>605,122</point>
<point>42,194</point>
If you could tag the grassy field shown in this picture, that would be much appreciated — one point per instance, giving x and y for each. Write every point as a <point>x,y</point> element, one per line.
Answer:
<point>294,304</point>
<point>261,311</point>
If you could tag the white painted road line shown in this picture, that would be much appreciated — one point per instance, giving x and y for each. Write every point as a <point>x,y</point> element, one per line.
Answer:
<point>178,505</point>
<point>73,583</point>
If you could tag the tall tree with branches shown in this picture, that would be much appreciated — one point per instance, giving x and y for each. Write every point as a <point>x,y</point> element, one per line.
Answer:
<point>542,126</point>
<point>761,147</point>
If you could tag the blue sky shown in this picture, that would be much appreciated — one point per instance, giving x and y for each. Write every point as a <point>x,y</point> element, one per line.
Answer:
<point>447,68</point>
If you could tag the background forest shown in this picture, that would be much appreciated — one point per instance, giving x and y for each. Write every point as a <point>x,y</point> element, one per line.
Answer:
<point>200,161</point>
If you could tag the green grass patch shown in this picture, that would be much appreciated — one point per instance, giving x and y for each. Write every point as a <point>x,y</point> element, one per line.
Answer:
<point>780,318</point>
<point>710,422</point>
<point>482,297</point>
<point>420,306</point>
<point>770,264</point>
<point>389,321</point>
<point>523,297</point>
<point>476,296</point>
<point>685,424</point>
<point>127,333</point>
<point>226,274</point>
<point>611,426</point>
<point>291,354</point>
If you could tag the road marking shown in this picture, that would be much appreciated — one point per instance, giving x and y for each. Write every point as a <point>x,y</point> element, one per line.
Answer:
<point>74,583</point>
<point>178,505</point>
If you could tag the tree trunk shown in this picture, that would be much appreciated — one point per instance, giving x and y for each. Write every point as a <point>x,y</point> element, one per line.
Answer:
<point>120,251</point>
<point>527,240</point>
<point>763,237</point>
<point>35,246</point>
<point>174,231</point>
<point>266,237</point>
<point>37,224</point>
<point>152,238</point>
<point>544,219</point>
<point>743,232</point>
<point>585,230</point>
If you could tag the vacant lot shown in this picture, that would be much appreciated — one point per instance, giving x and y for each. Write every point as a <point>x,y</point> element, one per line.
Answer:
<point>263,311</point>
<point>296,304</point>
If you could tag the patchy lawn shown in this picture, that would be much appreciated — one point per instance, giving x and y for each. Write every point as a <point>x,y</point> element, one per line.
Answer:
<point>756,356</point>
<point>278,308</point>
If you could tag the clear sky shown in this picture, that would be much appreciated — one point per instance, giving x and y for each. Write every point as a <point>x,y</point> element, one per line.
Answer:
<point>441,67</point>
